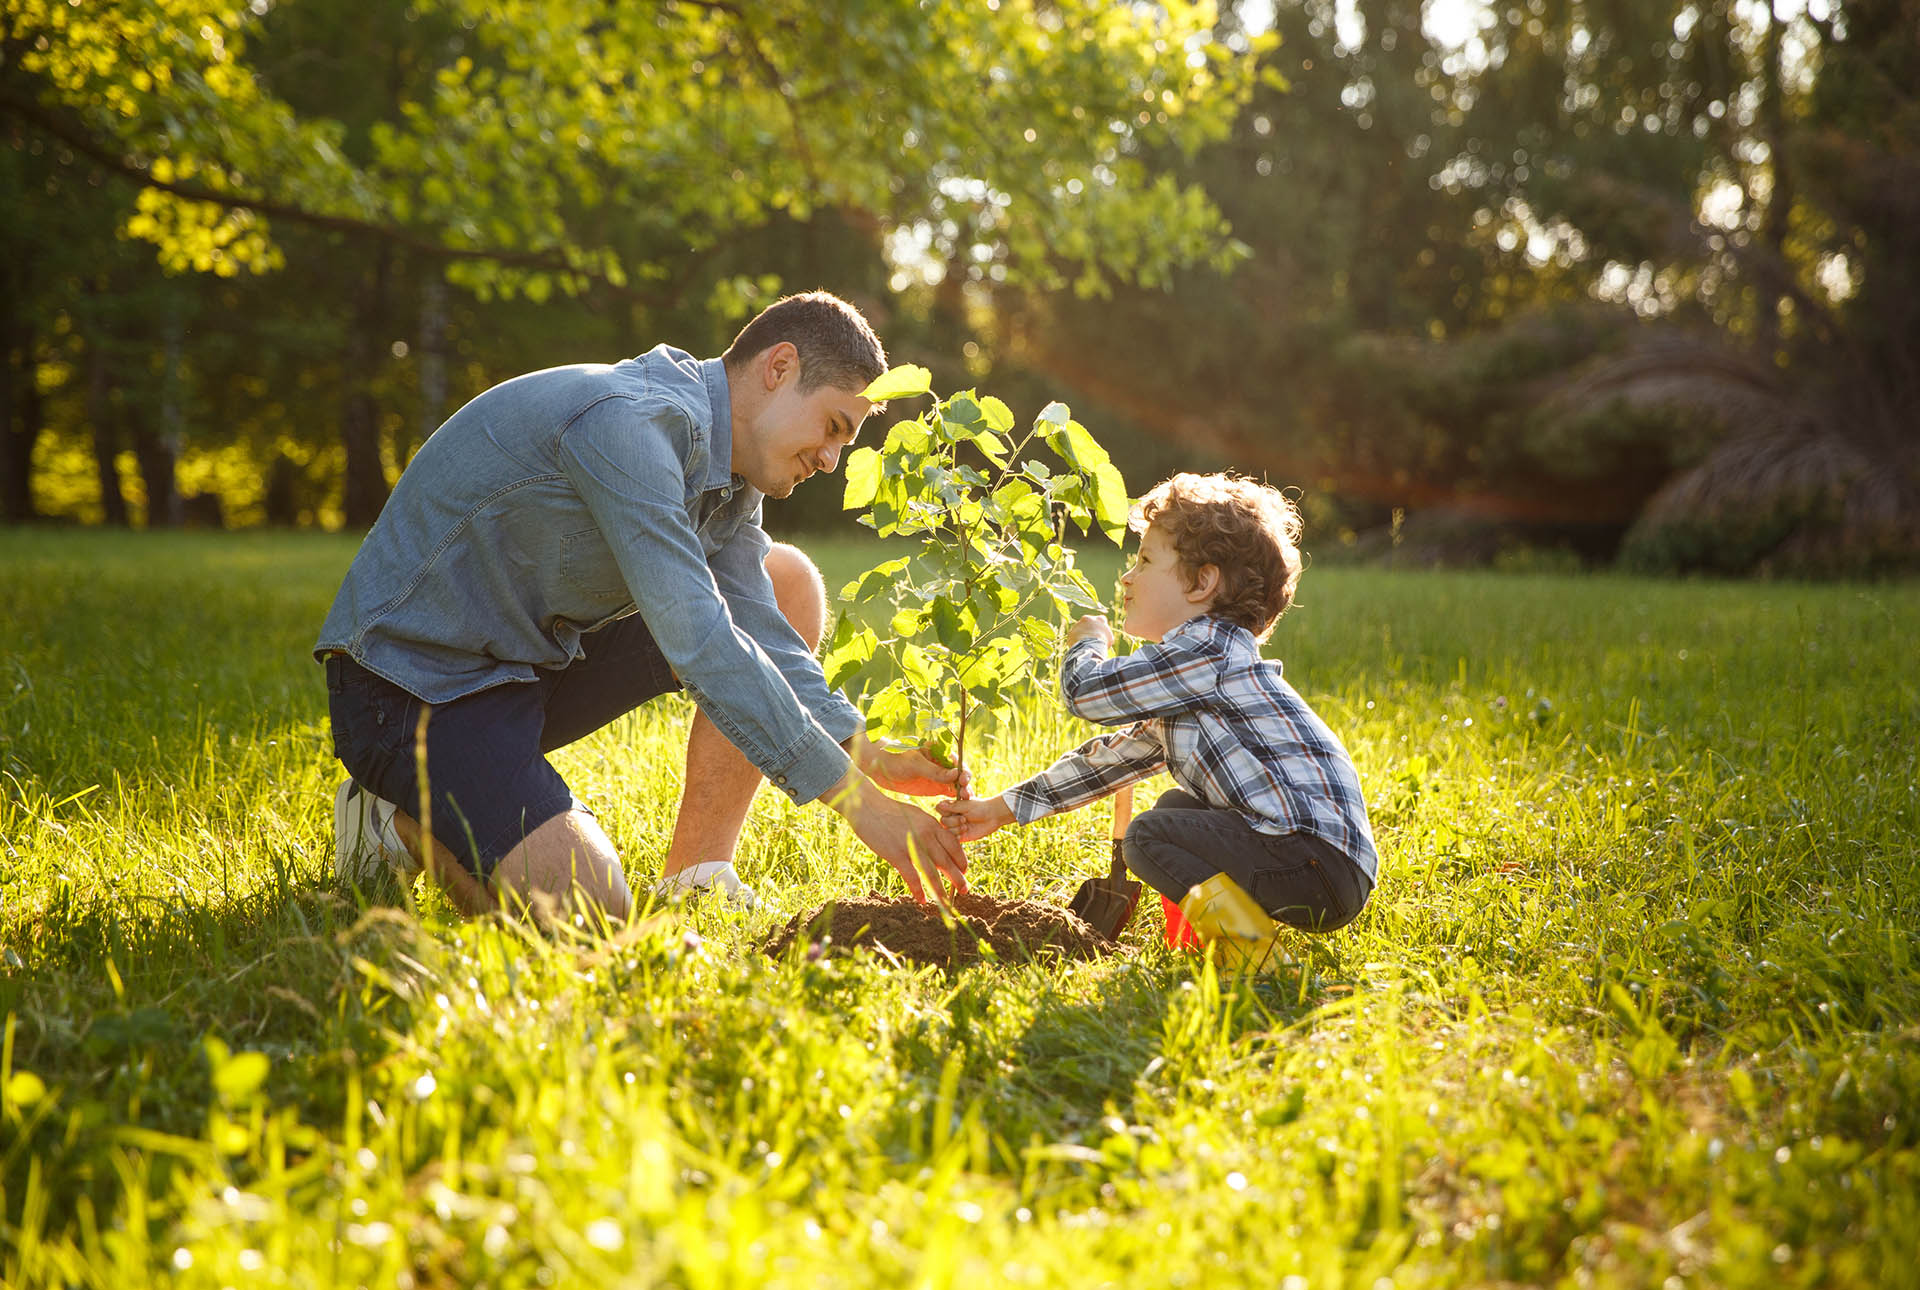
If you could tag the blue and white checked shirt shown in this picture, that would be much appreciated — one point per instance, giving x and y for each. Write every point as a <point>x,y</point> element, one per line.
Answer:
<point>1206,707</point>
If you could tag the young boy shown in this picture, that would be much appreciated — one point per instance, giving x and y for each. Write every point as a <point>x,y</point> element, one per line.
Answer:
<point>1268,804</point>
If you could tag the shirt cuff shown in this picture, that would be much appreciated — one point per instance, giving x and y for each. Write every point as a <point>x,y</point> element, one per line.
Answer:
<point>1083,648</point>
<point>812,766</point>
<point>1027,805</point>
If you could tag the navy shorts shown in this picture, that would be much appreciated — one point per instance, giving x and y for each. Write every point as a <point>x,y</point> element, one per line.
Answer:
<point>486,753</point>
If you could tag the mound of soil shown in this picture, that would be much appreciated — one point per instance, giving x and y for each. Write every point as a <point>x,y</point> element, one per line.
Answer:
<point>1016,929</point>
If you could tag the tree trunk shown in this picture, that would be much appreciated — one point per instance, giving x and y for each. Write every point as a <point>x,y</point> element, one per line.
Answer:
<point>157,461</point>
<point>1773,232</point>
<point>19,408</point>
<point>100,417</point>
<point>366,489</point>
<point>433,352</point>
<point>160,453</point>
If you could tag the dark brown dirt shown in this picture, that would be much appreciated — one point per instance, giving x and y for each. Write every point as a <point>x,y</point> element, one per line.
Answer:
<point>1016,929</point>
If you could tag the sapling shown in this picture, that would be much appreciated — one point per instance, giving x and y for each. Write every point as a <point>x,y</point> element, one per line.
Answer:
<point>978,608</point>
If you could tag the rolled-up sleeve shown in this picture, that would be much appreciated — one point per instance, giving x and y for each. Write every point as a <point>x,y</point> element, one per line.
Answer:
<point>621,456</point>
<point>1102,765</point>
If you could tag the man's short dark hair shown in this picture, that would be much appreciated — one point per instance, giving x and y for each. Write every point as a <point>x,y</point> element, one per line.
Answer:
<point>837,347</point>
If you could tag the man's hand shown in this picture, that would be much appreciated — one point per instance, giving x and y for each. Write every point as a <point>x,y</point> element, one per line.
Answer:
<point>909,839</point>
<point>972,819</point>
<point>1091,627</point>
<point>913,771</point>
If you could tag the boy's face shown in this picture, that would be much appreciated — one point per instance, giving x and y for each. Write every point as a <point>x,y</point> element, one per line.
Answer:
<point>1155,595</point>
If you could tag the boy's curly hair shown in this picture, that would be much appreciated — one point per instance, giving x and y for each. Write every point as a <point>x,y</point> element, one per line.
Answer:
<point>1248,530</point>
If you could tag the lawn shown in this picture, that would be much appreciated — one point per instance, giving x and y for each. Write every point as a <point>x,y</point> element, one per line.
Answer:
<point>1636,999</point>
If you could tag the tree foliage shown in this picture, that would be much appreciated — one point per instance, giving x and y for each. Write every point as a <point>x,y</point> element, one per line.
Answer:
<point>553,145</point>
<point>1487,270</point>
<point>647,160</point>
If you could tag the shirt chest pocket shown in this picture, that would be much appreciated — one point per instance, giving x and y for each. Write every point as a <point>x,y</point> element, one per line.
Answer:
<point>587,566</point>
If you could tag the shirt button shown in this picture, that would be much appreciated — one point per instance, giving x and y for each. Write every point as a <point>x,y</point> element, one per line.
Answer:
<point>779,779</point>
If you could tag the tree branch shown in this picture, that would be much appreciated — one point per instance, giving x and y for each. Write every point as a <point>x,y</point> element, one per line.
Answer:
<point>102,152</point>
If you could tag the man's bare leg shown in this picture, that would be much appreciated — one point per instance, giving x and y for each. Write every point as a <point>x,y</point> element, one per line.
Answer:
<point>468,894</point>
<point>570,856</point>
<point>566,866</point>
<point>720,782</point>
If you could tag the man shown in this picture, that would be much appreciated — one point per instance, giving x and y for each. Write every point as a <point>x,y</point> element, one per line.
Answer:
<point>571,544</point>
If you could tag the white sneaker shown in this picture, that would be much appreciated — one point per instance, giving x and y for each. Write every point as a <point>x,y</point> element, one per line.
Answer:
<point>367,854</point>
<point>704,876</point>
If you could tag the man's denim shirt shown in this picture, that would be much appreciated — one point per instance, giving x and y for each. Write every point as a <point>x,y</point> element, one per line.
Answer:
<point>561,500</point>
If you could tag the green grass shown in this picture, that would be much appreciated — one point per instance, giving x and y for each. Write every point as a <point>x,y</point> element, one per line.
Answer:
<point>1636,999</point>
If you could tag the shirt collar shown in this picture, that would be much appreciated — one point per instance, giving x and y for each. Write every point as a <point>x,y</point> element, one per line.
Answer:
<point>1200,626</point>
<point>720,458</point>
<point>1208,626</point>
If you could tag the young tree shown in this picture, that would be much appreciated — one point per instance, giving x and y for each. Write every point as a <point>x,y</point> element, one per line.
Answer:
<point>977,608</point>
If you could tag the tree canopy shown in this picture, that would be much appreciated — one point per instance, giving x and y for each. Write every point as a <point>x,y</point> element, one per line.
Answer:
<point>546,146</point>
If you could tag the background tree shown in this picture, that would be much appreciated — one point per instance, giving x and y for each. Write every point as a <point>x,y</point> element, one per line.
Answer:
<point>573,147</point>
<point>1534,271</point>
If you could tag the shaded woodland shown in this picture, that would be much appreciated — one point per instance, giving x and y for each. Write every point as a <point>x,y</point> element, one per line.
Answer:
<point>1638,283</point>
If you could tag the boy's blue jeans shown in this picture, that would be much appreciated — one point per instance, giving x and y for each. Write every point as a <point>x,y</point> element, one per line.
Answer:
<point>1297,878</point>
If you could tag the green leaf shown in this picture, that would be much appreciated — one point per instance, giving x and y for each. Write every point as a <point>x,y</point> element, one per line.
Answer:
<point>907,440</point>
<point>1076,590</point>
<point>907,623</point>
<point>1015,575</point>
<point>848,657</point>
<point>863,478</point>
<point>940,745</point>
<point>982,669</point>
<point>1054,413</point>
<point>1042,636</point>
<point>900,382</point>
<point>890,712</point>
<point>1073,441</point>
<point>998,416</point>
<point>992,447</point>
<point>1110,501</point>
<point>918,668</point>
<point>963,411</point>
<point>953,625</point>
<point>882,577</point>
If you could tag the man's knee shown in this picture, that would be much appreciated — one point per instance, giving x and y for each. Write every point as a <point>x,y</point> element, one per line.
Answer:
<point>566,864</point>
<point>800,591</point>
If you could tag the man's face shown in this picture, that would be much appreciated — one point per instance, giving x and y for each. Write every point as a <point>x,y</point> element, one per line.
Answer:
<point>794,434</point>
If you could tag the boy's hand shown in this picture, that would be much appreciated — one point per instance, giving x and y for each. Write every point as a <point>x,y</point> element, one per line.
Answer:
<point>913,771</point>
<point>972,819</point>
<point>1091,627</point>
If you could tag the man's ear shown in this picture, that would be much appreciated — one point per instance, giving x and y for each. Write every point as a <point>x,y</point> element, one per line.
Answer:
<point>1206,584</point>
<point>778,363</point>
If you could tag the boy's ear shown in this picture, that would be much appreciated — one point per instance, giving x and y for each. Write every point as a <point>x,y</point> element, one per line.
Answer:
<point>1205,585</point>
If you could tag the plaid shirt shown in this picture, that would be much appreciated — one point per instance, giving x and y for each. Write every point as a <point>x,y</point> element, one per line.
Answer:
<point>1205,706</point>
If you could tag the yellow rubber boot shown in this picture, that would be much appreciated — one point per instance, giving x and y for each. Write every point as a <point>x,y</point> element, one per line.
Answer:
<point>1226,917</point>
